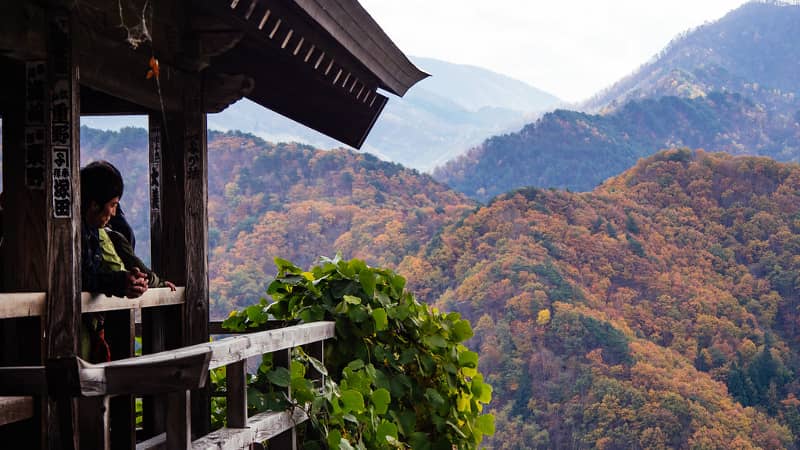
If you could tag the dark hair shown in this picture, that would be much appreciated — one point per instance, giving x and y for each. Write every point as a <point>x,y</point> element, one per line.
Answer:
<point>100,182</point>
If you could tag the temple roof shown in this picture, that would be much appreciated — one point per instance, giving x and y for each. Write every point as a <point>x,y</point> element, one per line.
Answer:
<point>322,63</point>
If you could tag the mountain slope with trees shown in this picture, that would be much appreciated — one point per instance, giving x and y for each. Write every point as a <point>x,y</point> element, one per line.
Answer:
<point>731,85</point>
<point>578,151</point>
<point>298,203</point>
<point>659,310</point>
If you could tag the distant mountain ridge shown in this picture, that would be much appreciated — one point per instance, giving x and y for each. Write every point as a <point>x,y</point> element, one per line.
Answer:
<point>732,86</point>
<point>474,87</point>
<point>753,50</point>
<point>577,151</point>
<point>439,118</point>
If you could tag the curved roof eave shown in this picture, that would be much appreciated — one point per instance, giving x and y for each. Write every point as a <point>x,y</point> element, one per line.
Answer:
<point>352,26</point>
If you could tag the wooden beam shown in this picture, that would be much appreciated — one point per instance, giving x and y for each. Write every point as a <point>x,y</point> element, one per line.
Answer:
<point>260,427</point>
<point>32,304</point>
<point>25,380</point>
<point>22,304</point>
<point>24,127</point>
<point>15,409</point>
<point>179,419</point>
<point>153,297</point>
<point>288,439</point>
<point>163,372</point>
<point>236,394</point>
<point>95,423</point>
<point>232,349</point>
<point>157,441</point>
<point>62,159</point>
<point>121,333</point>
<point>196,310</point>
<point>161,328</point>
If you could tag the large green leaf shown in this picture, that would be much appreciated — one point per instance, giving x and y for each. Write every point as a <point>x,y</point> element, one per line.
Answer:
<point>334,439</point>
<point>367,279</point>
<point>280,376</point>
<point>462,331</point>
<point>385,429</point>
<point>485,424</point>
<point>381,399</point>
<point>381,321</point>
<point>352,400</point>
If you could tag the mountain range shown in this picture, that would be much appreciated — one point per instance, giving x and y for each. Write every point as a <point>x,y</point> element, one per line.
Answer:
<point>730,85</point>
<point>659,310</point>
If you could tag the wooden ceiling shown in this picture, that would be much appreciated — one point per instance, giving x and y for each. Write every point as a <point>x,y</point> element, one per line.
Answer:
<point>318,62</point>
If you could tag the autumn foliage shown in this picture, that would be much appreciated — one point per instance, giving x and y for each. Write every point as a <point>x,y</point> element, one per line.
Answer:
<point>658,311</point>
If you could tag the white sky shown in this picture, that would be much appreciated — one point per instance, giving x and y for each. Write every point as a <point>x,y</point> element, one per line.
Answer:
<point>569,48</point>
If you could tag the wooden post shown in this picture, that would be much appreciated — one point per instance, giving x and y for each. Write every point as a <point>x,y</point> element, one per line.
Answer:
<point>178,421</point>
<point>236,376</point>
<point>62,159</point>
<point>24,222</point>
<point>24,250</point>
<point>122,408</point>
<point>95,423</point>
<point>196,309</point>
<point>161,328</point>
<point>287,439</point>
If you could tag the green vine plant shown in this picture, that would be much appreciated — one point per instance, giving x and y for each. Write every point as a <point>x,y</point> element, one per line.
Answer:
<point>397,374</point>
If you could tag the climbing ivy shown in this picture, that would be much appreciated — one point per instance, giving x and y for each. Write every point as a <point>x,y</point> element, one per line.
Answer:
<point>398,375</point>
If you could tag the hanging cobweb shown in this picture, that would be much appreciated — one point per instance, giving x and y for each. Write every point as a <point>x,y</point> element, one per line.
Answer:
<point>137,33</point>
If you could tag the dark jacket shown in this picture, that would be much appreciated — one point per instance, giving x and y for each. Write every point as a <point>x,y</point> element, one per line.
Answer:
<point>125,251</point>
<point>93,278</point>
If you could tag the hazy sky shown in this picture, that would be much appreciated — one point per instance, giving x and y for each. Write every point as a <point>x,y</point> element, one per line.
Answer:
<point>569,48</point>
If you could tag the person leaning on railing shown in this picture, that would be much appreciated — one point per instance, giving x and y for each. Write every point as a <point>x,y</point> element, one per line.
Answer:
<point>108,263</point>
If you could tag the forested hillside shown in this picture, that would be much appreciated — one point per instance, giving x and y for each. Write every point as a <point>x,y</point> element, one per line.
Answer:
<point>578,151</point>
<point>660,310</point>
<point>298,203</point>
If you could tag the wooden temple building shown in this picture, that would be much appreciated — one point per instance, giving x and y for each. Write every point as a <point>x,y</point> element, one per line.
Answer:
<point>321,63</point>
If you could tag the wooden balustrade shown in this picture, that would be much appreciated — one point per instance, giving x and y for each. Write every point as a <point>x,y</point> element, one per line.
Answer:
<point>175,373</point>
<point>32,304</point>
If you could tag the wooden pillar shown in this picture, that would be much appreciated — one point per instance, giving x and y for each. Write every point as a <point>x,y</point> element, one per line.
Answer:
<point>288,439</point>
<point>179,229</point>
<point>23,252</point>
<point>179,436</point>
<point>236,396</point>
<point>24,221</point>
<point>196,309</point>
<point>62,159</point>
<point>122,407</point>
<point>161,328</point>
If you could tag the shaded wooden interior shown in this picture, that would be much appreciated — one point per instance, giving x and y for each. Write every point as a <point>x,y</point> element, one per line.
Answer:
<point>320,63</point>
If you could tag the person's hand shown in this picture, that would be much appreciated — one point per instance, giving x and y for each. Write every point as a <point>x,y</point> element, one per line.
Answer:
<point>135,283</point>
<point>170,285</point>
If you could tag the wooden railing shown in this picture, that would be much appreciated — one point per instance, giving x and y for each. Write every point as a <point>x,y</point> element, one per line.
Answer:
<point>32,305</point>
<point>173,373</point>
